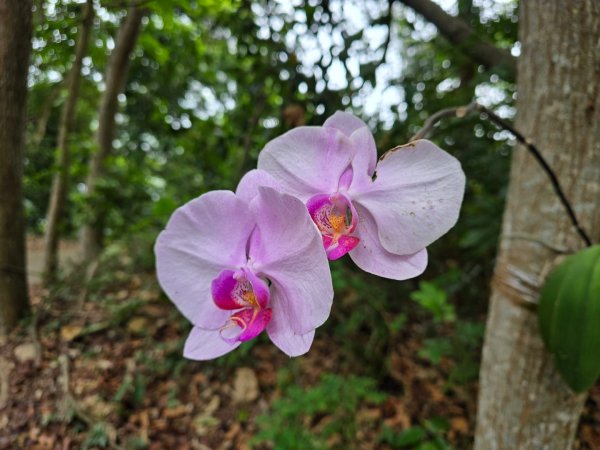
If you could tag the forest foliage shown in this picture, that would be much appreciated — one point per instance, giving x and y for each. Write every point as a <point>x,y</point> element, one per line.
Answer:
<point>210,83</point>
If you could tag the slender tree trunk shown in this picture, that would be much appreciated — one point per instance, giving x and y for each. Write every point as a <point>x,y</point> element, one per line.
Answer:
<point>523,402</point>
<point>60,182</point>
<point>15,37</point>
<point>116,74</point>
<point>42,123</point>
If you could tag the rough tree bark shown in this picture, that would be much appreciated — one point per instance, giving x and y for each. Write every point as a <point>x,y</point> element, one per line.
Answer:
<point>523,402</point>
<point>15,36</point>
<point>116,74</point>
<point>457,31</point>
<point>60,182</point>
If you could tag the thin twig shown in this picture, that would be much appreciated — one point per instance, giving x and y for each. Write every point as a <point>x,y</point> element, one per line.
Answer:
<point>461,111</point>
<point>457,111</point>
<point>70,407</point>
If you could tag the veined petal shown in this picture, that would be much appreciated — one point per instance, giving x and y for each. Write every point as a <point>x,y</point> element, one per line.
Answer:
<point>290,254</point>
<point>371,257</point>
<point>282,335</point>
<point>202,238</point>
<point>247,188</point>
<point>203,345</point>
<point>307,160</point>
<point>415,197</point>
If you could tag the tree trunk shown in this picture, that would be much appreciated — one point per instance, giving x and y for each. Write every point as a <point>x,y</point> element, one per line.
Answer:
<point>116,74</point>
<point>38,134</point>
<point>15,37</point>
<point>60,182</point>
<point>523,402</point>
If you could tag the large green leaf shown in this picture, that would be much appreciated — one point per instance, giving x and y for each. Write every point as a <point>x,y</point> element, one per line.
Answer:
<point>569,315</point>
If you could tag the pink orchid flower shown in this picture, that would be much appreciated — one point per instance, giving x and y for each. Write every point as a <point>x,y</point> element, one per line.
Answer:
<point>238,264</point>
<point>383,213</point>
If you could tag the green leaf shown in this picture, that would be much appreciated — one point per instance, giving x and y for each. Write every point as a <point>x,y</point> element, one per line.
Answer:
<point>435,300</point>
<point>435,349</point>
<point>410,436</point>
<point>569,314</point>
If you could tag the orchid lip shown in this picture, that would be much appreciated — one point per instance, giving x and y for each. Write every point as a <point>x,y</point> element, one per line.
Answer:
<point>247,296</point>
<point>245,324</point>
<point>336,218</point>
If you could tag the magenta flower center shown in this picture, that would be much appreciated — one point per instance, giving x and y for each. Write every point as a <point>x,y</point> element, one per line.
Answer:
<point>247,296</point>
<point>336,219</point>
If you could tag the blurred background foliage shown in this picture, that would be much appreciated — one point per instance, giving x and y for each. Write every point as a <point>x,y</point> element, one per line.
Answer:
<point>212,81</point>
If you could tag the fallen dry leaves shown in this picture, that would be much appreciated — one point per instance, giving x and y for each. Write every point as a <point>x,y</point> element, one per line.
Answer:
<point>125,372</point>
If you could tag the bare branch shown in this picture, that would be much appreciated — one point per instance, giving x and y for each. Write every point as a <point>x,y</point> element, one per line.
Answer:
<point>460,33</point>
<point>457,111</point>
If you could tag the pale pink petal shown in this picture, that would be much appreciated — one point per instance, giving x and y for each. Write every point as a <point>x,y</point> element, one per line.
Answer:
<point>247,188</point>
<point>371,257</point>
<point>290,254</point>
<point>282,335</point>
<point>203,237</point>
<point>366,152</point>
<point>346,178</point>
<point>361,138</point>
<point>415,197</point>
<point>345,122</point>
<point>203,345</point>
<point>307,160</point>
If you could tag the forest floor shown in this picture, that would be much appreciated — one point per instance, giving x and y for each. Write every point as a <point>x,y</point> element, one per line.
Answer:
<point>102,368</point>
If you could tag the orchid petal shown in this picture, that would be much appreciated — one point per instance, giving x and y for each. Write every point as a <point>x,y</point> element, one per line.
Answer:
<point>415,197</point>
<point>245,324</point>
<point>361,138</point>
<point>336,219</point>
<point>307,160</point>
<point>337,249</point>
<point>345,122</point>
<point>203,345</point>
<point>202,238</point>
<point>365,160</point>
<point>222,290</point>
<point>283,336</point>
<point>371,257</point>
<point>290,254</point>
<point>247,188</point>
<point>242,289</point>
<point>259,288</point>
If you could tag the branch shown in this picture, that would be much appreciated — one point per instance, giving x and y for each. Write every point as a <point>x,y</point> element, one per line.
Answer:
<point>457,111</point>
<point>462,111</point>
<point>460,33</point>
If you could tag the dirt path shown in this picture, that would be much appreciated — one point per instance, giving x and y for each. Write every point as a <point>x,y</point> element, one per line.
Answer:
<point>68,255</point>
